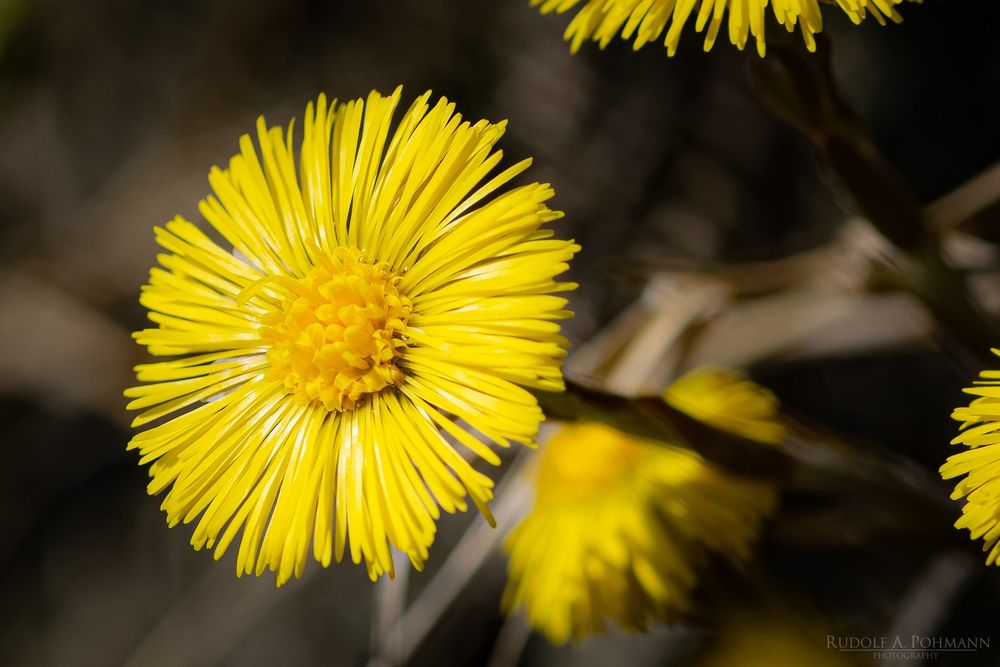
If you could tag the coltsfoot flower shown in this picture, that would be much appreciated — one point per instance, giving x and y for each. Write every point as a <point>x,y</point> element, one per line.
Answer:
<point>646,21</point>
<point>381,296</point>
<point>621,525</point>
<point>979,464</point>
<point>727,400</point>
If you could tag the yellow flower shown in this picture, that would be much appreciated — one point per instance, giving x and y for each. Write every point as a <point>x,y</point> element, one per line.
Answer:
<point>377,298</point>
<point>619,528</point>
<point>647,20</point>
<point>726,400</point>
<point>980,432</point>
<point>766,638</point>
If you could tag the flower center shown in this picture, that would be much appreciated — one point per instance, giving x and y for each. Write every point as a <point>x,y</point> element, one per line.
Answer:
<point>585,460</point>
<point>339,333</point>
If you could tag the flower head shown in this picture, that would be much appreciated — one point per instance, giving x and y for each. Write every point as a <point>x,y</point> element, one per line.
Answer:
<point>727,400</point>
<point>646,21</point>
<point>980,464</point>
<point>377,298</point>
<point>619,528</point>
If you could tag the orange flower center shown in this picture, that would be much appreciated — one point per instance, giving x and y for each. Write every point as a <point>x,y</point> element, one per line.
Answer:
<point>340,332</point>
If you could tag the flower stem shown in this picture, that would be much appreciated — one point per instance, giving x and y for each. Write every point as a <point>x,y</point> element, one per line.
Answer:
<point>806,459</point>
<point>800,88</point>
<point>650,418</point>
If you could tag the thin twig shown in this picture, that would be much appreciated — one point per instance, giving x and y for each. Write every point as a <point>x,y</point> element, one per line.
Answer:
<point>924,607</point>
<point>388,606</point>
<point>510,643</point>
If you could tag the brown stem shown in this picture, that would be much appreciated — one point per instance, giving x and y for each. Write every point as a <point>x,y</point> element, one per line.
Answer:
<point>800,88</point>
<point>651,418</point>
<point>806,460</point>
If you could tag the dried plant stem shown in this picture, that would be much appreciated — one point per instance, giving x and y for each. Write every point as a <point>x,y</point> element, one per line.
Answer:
<point>971,200</point>
<point>511,640</point>
<point>931,596</point>
<point>389,603</point>
<point>800,88</point>
<point>651,418</point>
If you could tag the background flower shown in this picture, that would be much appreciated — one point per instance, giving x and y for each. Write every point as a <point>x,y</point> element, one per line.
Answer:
<point>621,526</point>
<point>727,400</point>
<point>647,20</point>
<point>979,464</point>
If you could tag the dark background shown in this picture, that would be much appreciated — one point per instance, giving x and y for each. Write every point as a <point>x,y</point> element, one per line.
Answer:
<point>111,114</point>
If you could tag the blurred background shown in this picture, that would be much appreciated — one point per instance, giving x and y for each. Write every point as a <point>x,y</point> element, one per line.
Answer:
<point>683,191</point>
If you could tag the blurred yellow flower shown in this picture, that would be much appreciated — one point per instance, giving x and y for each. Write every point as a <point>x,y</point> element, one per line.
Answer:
<point>620,526</point>
<point>647,20</point>
<point>756,638</point>
<point>980,463</point>
<point>381,293</point>
<point>727,400</point>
